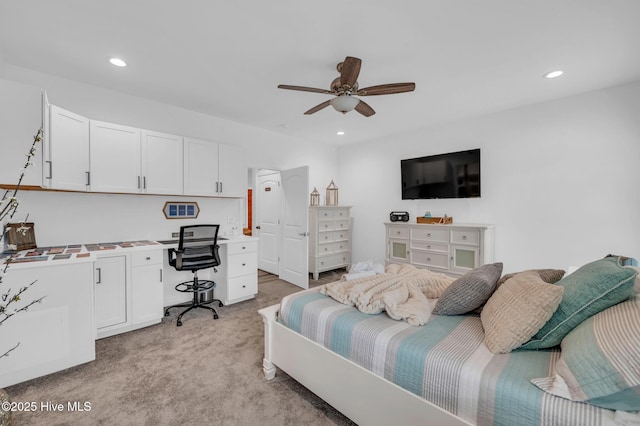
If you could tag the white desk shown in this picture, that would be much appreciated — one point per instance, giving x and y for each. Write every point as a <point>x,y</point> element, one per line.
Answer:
<point>95,291</point>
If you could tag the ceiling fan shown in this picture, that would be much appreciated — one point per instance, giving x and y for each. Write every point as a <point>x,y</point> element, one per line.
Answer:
<point>345,89</point>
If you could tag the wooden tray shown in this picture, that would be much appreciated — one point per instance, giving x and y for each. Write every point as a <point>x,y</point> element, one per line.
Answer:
<point>443,220</point>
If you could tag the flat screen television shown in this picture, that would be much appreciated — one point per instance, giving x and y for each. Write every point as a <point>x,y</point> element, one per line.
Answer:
<point>452,175</point>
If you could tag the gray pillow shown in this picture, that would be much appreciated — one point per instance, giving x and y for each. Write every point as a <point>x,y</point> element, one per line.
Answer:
<point>470,291</point>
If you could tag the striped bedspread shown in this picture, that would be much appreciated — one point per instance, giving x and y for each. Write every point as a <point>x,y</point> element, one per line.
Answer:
<point>445,362</point>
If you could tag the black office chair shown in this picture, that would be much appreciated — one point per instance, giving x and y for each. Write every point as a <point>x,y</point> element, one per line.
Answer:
<point>197,249</point>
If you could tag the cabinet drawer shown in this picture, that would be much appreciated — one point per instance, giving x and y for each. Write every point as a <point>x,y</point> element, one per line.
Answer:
<point>325,225</point>
<point>465,237</point>
<point>426,245</point>
<point>341,246</point>
<point>341,224</point>
<point>324,249</point>
<point>244,286</point>
<point>398,232</point>
<point>242,264</point>
<point>325,214</point>
<point>440,235</point>
<point>341,235</point>
<point>243,247</point>
<point>425,258</point>
<point>325,237</point>
<point>333,261</point>
<point>145,258</point>
<point>341,213</point>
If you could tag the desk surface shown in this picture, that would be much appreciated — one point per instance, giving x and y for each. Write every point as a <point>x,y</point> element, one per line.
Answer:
<point>55,255</point>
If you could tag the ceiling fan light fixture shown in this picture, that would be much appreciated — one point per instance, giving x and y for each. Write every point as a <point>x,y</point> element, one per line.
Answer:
<point>344,103</point>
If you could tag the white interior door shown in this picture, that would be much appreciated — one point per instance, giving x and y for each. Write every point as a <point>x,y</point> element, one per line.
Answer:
<point>269,209</point>
<point>294,257</point>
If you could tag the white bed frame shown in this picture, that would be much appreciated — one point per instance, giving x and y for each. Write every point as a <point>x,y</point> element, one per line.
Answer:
<point>359,394</point>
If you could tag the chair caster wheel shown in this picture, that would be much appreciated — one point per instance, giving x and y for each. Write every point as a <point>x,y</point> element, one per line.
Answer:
<point>166,314</point>
<point>215,317</point>
<point>179,323</point>
<point>220,304</point>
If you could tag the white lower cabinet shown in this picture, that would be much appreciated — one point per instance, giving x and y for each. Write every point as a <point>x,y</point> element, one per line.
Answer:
<point>451,249</point>
<point>237,276</point>
<point>56,334</point>
<point>147,294</point>
<point>110,291</point>
<point>129,292</point>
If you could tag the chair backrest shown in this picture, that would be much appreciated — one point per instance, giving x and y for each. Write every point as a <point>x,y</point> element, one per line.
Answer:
<point>198,247</point>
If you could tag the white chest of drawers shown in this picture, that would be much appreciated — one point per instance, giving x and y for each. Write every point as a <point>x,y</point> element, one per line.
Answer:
<point>451,249</point>
<point>329,239</point>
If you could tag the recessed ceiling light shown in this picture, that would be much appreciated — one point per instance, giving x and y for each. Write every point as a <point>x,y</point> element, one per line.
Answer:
<point>339,133</point>
<point>118,62</point>
<point>554,74</point>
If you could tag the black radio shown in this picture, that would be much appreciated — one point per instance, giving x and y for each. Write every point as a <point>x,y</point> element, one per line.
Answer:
<point>399,216</point>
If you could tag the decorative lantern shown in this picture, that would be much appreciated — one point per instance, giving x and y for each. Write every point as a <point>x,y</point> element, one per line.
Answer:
<point>332,194</point>
<point>315,197</point>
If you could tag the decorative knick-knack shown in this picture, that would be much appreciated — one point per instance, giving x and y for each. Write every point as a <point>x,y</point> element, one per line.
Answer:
<point>332,194</point>
<point>315,197</point>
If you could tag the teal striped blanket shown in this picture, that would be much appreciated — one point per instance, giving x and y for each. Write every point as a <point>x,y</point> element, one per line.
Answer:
<point>446,362</point>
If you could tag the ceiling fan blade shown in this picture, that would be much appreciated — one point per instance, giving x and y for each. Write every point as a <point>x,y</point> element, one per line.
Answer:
<point>318,107</point>
<point>364,109</point>
<point>387,89</point>
<point>350,71</point>
<point>304,89</point>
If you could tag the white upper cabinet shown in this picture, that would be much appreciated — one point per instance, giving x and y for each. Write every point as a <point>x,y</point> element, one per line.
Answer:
<point>67,166</point>
<point>200,167</point>
<point>115,158</point>
<point>214,169</point>
<point>232,171</point>
<point>161,163</point>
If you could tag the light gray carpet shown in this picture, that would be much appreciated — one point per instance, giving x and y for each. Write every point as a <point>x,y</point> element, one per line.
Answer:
<point>205,372</point>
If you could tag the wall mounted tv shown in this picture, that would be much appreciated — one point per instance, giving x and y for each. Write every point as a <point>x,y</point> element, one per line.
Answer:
<point>452,175</point>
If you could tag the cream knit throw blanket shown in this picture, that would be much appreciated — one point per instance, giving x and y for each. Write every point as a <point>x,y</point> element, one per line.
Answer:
<point>402,291</point>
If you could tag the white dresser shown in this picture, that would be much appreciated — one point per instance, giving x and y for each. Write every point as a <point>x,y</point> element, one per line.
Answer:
<point>329,239</point>
<point>452,249</point>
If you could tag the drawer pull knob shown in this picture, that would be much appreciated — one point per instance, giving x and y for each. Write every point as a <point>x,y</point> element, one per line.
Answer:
<point>464,237</point>
<point>428,235</point>
<point>428,246</point>
<point>244,264</point>
<point>243,248</point>
<point>148,258</point>
<point>244,286</point>
<point>429,259</point>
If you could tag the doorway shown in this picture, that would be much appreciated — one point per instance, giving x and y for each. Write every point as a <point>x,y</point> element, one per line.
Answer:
<point>281,223</point>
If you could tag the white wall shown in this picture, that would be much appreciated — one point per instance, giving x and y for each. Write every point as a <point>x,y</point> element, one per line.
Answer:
<point>559,180</point>
<point>70,217</point>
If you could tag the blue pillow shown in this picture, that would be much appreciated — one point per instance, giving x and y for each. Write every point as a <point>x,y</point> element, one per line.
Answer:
<point>592,288</point>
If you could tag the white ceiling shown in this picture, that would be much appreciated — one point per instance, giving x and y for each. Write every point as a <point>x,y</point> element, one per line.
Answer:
<point>225,58</point>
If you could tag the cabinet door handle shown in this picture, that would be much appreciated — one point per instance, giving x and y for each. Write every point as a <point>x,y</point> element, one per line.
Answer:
<point>88,178</point>
<point>144,182</point>
<point>221,187</point>
<point>217,187</point>
<point>50,170</point>
<point>160,274</point>
<point>138,182</point>
<point>99,280</point>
